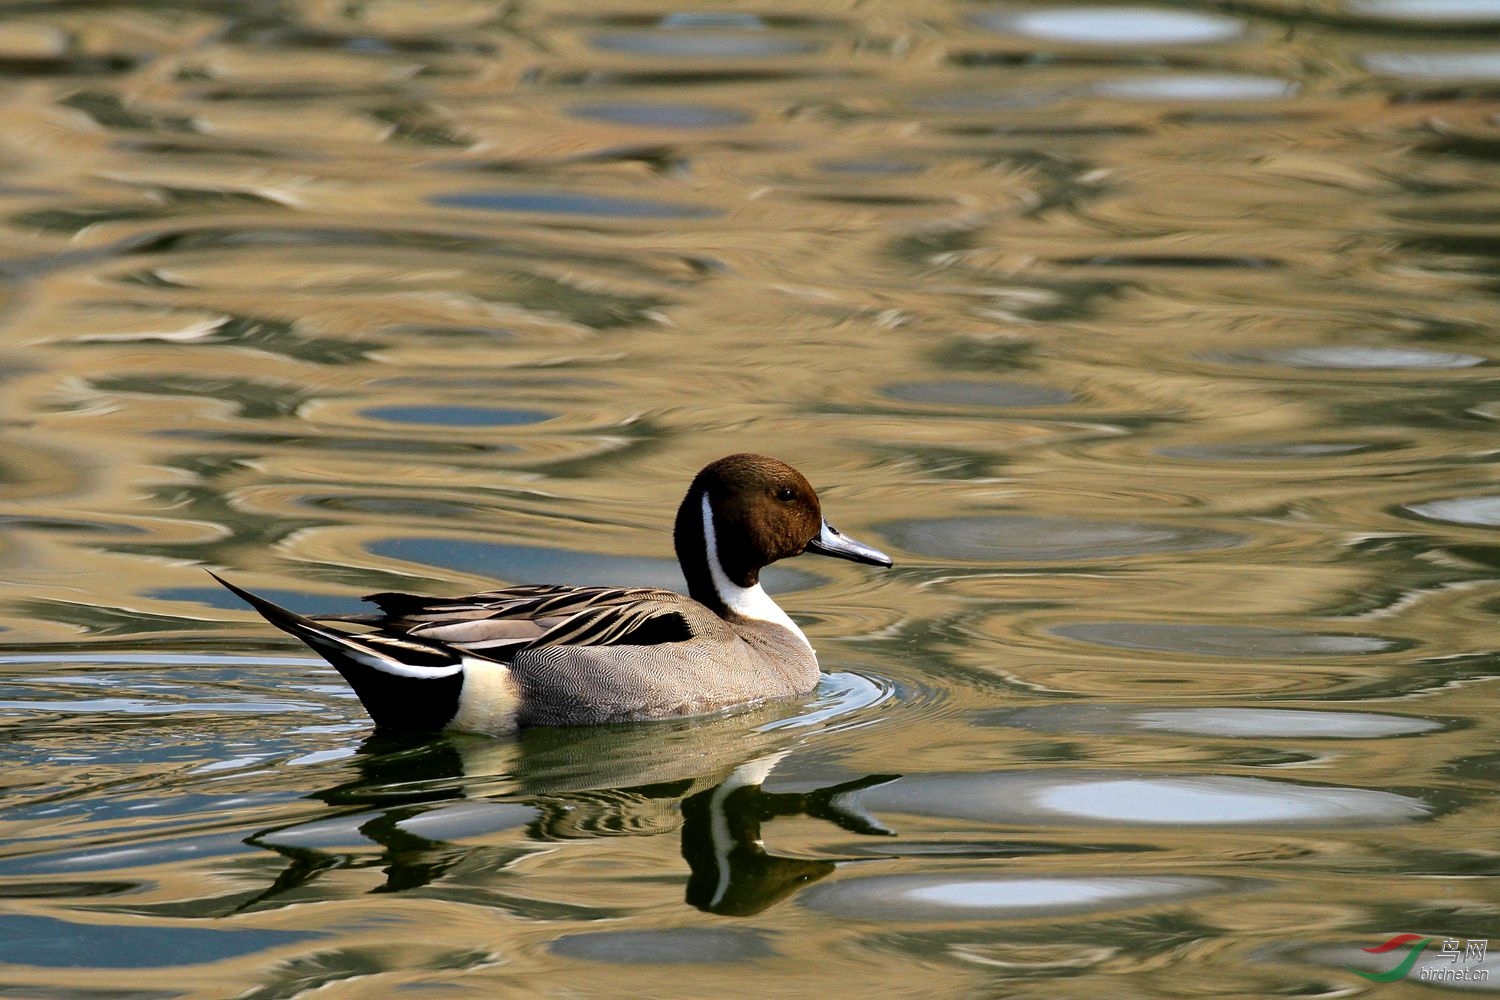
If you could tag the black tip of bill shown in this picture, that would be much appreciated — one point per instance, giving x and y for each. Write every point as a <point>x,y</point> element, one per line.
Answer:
<point>831,542</point>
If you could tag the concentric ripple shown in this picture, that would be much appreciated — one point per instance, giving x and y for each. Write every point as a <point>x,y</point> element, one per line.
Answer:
<point>839,694</point>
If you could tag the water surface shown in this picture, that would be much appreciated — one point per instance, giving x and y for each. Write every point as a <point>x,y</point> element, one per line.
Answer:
<point>1157,342</point>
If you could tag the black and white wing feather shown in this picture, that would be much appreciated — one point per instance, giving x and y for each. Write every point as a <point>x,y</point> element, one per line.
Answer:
<point>501,623</point>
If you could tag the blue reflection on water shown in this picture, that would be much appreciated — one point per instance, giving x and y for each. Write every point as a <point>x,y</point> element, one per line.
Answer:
<point>661,115</point>
<point>715,44</point>
<point>458,416</point>
<point>571,203</point>
<point>34,940</point>
<point>217,597</point>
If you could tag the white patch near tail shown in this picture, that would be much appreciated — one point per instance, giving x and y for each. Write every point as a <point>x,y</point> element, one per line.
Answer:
<point>490,699</point>
<point>366,656</point>
<point>749,602</point>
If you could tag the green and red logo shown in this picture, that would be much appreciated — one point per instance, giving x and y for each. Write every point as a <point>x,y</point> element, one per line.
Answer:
<point>1405,964</point>
<point>1446,968</point>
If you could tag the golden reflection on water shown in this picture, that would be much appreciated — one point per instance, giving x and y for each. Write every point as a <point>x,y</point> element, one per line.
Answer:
<point>1155,343</point>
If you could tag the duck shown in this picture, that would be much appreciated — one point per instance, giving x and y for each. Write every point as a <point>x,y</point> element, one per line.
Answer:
<point>556,655</point>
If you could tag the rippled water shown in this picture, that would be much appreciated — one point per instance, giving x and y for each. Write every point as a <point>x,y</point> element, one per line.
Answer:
<point>1156,342</point>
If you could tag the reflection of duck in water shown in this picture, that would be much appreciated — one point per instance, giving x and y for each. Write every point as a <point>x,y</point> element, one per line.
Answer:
<point>732,872</point>
<point>702,778</point>
<point>553,655</point>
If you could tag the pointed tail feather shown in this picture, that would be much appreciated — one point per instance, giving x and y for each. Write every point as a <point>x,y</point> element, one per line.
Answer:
<point>403,683</point>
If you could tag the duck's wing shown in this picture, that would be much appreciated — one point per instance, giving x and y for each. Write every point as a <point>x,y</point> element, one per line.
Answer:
<point>516,603</point>
<point>501,623</point>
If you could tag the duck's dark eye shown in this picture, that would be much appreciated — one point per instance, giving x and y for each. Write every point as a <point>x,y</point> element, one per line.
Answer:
<point>786,493</point>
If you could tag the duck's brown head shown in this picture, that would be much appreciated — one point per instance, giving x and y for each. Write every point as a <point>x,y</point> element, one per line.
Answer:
<point>748,511</point>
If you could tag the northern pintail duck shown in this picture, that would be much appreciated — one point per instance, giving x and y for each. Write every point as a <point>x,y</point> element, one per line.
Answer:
<point>558,655</point>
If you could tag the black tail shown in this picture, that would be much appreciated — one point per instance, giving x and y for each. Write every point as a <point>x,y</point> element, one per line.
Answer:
<point>404,683</point>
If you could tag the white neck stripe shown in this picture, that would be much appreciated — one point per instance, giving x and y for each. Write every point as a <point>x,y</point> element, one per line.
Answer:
<point>748,602</point>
